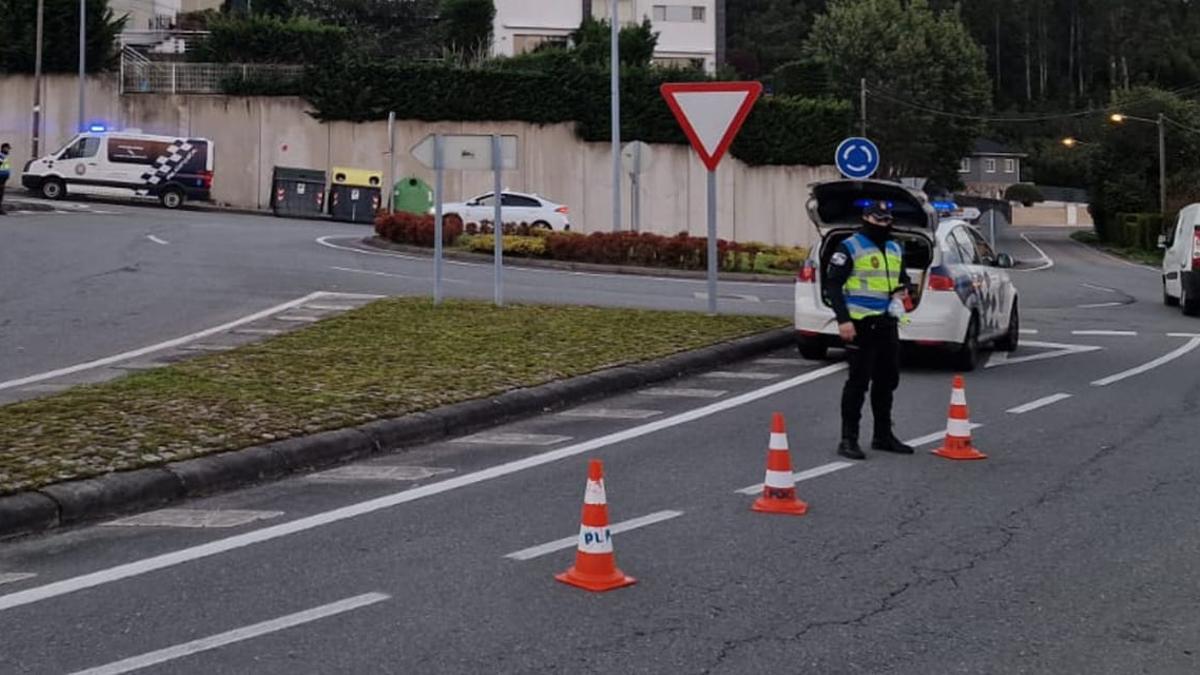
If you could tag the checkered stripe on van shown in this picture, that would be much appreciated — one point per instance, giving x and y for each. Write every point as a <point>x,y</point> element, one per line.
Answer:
<point>167,165</point>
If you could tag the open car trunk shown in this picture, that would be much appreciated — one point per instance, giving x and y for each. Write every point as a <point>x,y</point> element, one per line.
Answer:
<point>836,209</point>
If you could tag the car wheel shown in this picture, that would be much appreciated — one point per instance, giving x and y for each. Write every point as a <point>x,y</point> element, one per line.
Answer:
<point>1191,306</point>
<point>541,225</point>
<point>54,188</point>
<point>171,198</point>
<point>452,220</point>
<point>1012,338</point>
<point>1168,299</point>
<point>967,357</point>
<point>811,349</point>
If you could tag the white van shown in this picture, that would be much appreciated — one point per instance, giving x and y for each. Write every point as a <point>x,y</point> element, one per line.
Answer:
<point>1181,262</point>
<point>170,168</point>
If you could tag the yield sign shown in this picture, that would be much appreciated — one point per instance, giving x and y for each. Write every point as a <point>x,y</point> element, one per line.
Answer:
<point>711,113</point>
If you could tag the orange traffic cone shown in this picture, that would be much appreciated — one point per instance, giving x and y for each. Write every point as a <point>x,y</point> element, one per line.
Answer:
<point>779,487</point>
<point>958,427</point>
<point>595,567</point>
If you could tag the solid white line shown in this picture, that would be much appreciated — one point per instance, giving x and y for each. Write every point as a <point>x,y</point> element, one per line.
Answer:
<point>1098,305</point>
<point>1040,403</point>
<point>1166,358</point>
<point>125,356</point>
<point>1186,335</point>
<point>567,542</point>
<point>219,546</point>
<point>387,274</point>
<point>1045,265</point>
<point>1106,289</point>
<point>935,436</point>
<point>801,476</point>
<point>1115,333</point>
<point>157,240</point>
<point>236,635</point>
<point>1003,359</point>
<point>1028,331</point>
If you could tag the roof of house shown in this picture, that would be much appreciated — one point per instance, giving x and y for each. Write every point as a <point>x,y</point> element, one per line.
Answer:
<point>986,146</point>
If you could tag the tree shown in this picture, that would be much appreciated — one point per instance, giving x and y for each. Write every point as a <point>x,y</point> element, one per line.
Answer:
<point>467,25</point>
<point>18,22</point>
<point>593,43</point>
<point>927,75</point>
<point>765,34</point>
<point>381,28</point>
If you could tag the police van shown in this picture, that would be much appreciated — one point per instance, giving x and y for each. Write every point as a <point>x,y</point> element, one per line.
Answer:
<point>169,168</point>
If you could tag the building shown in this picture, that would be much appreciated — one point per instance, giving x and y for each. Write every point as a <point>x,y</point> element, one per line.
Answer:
<point>690,32</point>
<point>153,25</point>
<point>990,169</point>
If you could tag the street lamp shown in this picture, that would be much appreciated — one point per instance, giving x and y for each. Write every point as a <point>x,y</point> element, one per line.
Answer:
<point>1070,142</point>
<point>1120,118</point>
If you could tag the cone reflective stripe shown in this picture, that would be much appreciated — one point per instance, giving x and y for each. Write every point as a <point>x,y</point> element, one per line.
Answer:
<point>595,567</point>
<point>779,486</point>
<point>958,427</point>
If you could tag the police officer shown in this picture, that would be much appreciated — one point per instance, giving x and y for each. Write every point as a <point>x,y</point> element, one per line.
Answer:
<point>5,172</point>
<point>865,274</point>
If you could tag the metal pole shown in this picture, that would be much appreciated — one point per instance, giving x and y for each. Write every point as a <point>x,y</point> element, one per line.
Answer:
<point>862,104</point>
<point>635,197</point>
<point>992,226</point>
<point>615,86</point>
<point>497,222</point>
<point>82,62</point>
<point>439,163</point>
<point>1162,165</point>
<point>391,183</point>
<point>36,140</point>
<point>712,242</point>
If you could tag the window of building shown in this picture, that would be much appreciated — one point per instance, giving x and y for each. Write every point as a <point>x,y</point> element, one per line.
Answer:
<point>989,165</point>
<point>679,13</point>
<point>1010,166</point>
<point>678,62</point>
<point>964,165</point>
<point>698,13</point>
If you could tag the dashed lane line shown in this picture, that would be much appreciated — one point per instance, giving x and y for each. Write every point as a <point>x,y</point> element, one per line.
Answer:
<point>1164,359</point>
<point>567,542</point>
<point>935,436</point>
<point>1110,333</point>
<point>801,476</point>
<point>14,577</point>
<point>158,240</point>
<point>1040,403</point>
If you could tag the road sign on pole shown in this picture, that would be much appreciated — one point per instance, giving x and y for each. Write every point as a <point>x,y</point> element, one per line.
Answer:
<point>636,157</point>
<point>711,114</point>
<point>857,158</point>
<point>467,152</point>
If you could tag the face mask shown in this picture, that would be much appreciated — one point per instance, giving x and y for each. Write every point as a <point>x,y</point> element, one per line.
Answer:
<point>877,233</point>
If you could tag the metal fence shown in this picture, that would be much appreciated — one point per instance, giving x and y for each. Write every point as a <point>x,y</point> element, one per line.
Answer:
<point>141,76</point>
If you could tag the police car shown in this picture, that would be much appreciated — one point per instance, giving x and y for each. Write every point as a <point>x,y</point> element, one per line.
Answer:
<point>963,298</point>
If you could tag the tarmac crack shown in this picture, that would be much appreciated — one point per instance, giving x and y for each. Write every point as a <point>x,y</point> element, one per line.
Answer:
<point>914,512</point>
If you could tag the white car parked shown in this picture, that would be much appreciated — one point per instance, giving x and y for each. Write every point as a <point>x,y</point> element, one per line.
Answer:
<point>516,207</point>
<point>963,296</point>
<point>1181,262</point>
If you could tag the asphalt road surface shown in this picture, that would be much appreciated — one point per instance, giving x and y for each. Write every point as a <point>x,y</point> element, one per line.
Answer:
<point>1071,549</point>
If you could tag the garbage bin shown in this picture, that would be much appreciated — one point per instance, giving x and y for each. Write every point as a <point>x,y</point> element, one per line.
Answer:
<point>297,193</point>
<point>355,194</point>
<point>412,195</point>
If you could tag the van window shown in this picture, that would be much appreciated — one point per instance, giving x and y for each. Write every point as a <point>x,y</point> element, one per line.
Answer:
<point>84,148</point>
<point>135,151</point>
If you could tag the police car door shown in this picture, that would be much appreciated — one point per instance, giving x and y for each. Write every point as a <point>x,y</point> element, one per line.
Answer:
<point>973,269</point>
<point>993,298</point>
<point>79,164</point>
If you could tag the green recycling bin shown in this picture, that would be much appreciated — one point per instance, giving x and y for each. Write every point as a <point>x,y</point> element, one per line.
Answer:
<point>412,195</point>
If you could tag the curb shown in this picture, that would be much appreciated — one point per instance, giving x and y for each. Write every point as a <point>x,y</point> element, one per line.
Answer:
<point>11,204</point>
<point>122,492</point>
<point>632,270</point>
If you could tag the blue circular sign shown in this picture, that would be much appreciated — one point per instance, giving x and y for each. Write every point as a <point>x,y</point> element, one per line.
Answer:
<point>857,158</point>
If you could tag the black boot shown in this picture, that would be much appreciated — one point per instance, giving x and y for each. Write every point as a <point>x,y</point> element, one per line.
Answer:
<point>889,443</point>
<point>849,449</point>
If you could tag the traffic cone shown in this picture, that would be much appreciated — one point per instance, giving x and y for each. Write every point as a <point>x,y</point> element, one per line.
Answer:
<point>958,427</point>
<point>779,487</point>
<point>595,567</point>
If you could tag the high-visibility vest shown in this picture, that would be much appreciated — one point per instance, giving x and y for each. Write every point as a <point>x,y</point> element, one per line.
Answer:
<point>5,165</point>
<point>875,277</point>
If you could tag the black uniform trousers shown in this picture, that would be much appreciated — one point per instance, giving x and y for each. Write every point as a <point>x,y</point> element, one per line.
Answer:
<point>874,359</point>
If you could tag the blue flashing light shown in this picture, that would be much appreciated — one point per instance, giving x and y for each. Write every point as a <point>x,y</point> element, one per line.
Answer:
<point>97,128</point>
<point>864,203</point>
<point>945,206</point>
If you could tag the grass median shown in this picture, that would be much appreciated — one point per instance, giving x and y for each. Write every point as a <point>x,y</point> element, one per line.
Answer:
<point>388,359</point>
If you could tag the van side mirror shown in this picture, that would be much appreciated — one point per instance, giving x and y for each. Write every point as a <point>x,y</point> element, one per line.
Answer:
<point>1004,261</point>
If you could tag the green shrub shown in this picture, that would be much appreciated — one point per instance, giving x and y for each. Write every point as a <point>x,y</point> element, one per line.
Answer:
<point>1025,193</point>
<point>1138,230</point>
<point>525,246</point>
<point>267,39</point>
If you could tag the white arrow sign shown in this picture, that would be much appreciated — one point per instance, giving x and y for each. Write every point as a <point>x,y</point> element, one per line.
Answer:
<point>469,152</point>
<point>1003,359</point>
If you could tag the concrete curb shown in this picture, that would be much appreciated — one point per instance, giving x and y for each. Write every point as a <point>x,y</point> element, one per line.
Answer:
<point>15,204</point>
<point>122,492</point>
<point>633,270</point>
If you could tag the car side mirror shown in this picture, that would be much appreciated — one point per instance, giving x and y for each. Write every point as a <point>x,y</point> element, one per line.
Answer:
<point>1162,241</point>
<point>1004,261</point>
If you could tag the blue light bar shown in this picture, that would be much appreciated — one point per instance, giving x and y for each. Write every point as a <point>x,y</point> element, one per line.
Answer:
<point>97,128</point>
<point>945,206</point>
<point>864,203</point>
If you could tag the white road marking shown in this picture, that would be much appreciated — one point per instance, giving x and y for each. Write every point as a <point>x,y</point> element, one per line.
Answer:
<point>1114,333</point>
<point>701,295</point>
<point>801,476</point>
<point>217,547</point>
<point>1186,335</point>
<point>376,472</point>
<point>610,413</point>
<point>1040,403</point>
<point>198,518</point>
<point>683,392</point>
<point>237,635</point>
<point>14,577</point>
<point>1099,305</point>
<point>298,318</point>
<point>157,240</point>
<point>568,542</point>
<point>258,331</point>
<point>935,436</point>
<point>388,274</point>
<point>1166,358</point>
<point>509,438</point>
<point>1003,359</point>
<point>1114,258</point>
<point>778,362</point>
<point>734,375</point>
<point>1047,263</point>
<point>1028,331</point>
<point>330,308</point>
<point>169,344</point>
<point>1106,289</point>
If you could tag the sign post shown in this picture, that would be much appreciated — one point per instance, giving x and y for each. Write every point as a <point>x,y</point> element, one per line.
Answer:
<point>636,158</point>
<point>711,114</point>
<point>465,152</point>
<point>497,222</point>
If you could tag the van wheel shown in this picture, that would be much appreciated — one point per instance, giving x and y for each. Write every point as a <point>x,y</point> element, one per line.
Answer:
<point>54,188</point>
<point>1169,300</point>
<point>1190,305</point>
<point>171,198</point>
<point>1009,342</point>
<point>812,349</point>
<point>967,357</point>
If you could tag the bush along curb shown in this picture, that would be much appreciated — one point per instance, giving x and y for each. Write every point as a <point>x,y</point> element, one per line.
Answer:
<point>116,493</point>
<point>567,266</point>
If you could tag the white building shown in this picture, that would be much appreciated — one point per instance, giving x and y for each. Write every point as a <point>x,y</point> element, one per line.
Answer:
<point>688,30</point>
<point>151,24</point>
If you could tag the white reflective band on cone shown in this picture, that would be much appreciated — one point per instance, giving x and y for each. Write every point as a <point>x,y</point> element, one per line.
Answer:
<point>958,428</point>
<point>595,539</point>
<point>958,397</point>
<point>779,479</point>
<point>778,441</point>
<point>594,494</point>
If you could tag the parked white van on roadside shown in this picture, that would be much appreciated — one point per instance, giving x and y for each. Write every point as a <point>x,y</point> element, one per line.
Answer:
<point>169,168</point>
<point>1181,261</point>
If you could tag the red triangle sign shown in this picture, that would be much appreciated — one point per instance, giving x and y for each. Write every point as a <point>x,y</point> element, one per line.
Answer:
<point>711,113</point>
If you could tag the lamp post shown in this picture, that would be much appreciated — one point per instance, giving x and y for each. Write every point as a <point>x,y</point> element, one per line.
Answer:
<point>1120,118</point>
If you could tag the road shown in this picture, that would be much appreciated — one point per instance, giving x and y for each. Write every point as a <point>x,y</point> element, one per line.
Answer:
<point>1070,549</point>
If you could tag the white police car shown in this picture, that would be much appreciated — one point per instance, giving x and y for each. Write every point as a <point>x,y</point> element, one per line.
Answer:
<point>963,297</point>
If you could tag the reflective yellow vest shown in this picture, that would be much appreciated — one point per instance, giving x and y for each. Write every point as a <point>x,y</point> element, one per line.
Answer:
<point>875,277</point>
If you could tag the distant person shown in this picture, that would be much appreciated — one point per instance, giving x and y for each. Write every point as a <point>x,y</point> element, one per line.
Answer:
<point>5,172</point>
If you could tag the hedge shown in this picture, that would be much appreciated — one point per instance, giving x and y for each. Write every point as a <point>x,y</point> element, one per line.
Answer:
<point>1137,230</point>
<point>780,131</point>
